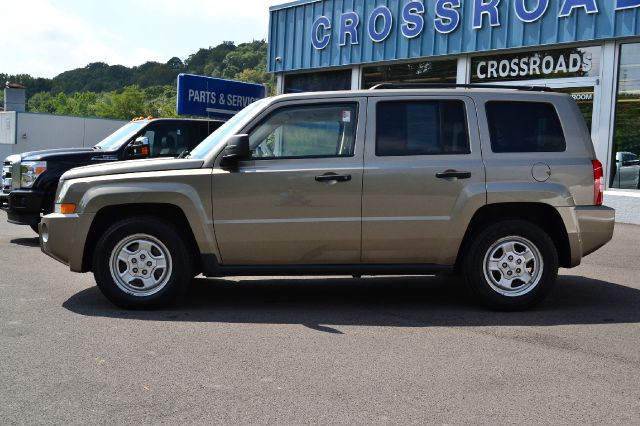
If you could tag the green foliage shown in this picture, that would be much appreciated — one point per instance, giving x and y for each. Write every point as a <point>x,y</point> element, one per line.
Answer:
<point>115,91</point>
<point>80,103</point>
<point>127,104</point>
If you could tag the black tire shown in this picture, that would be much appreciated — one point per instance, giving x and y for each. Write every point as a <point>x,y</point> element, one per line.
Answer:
<point>491,285</point>
<point>123,292</point>
<point>52,206</point>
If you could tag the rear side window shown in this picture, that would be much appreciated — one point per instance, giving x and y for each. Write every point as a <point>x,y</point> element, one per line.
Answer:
<point>524,127</point>
<point>421,128</point>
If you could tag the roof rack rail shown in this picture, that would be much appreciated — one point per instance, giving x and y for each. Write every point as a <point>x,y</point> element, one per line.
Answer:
<point>386,86</point>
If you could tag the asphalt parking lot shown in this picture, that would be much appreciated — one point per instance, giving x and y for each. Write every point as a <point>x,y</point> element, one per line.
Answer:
<point>322,351</point>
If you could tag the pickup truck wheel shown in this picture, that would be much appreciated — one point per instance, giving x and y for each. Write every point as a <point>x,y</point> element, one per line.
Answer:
<point>142,263</point>
<point>511,265</point>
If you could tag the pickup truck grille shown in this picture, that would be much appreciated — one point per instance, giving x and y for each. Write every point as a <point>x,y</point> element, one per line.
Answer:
<point>6,177</point>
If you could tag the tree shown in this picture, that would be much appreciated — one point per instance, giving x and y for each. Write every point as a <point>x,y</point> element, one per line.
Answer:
<point>161,101</point>
<point>116,91</point>
<point>175,63</point>
<point>41,102</point>
<point>125,105</point>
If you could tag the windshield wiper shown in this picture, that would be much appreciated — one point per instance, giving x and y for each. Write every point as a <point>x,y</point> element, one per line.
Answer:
<point>185,154</point>
<point>97,148</point>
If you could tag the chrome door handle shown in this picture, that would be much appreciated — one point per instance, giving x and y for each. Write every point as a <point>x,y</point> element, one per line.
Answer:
<point>448,174</point>
<point>332,177</point>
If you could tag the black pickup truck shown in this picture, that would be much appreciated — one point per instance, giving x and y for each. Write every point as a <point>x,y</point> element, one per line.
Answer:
<point>30,180</point>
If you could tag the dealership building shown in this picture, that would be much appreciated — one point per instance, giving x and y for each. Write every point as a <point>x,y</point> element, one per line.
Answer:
<point>587,48</point>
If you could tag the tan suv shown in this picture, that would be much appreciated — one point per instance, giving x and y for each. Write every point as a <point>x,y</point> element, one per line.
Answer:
<point>501,185</point>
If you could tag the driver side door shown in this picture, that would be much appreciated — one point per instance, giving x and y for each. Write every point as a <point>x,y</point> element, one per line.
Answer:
<point>298,199</point>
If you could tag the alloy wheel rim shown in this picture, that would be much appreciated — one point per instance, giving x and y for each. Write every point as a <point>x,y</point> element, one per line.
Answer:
<point>513,266</point>
<point>140,265</point>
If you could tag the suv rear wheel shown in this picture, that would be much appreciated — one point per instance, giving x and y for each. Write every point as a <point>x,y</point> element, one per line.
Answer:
<point>142,263</point>
<point>511,264</point>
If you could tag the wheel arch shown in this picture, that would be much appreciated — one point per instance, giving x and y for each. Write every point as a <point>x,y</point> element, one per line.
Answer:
<point>543,215</point>
<point>109,215</point>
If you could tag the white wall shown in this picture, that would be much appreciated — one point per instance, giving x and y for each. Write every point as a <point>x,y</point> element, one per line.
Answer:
<point>44,131</point>
<point>5,151</point>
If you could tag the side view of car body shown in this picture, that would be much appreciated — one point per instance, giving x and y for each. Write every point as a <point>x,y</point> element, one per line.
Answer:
<point>500,185</point>
<point>30,180</point>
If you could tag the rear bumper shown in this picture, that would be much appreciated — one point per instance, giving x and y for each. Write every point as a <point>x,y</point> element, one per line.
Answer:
<point>595,224</point>
<point>588,228</point>
<point>63,238</point>
<point>23,206</point>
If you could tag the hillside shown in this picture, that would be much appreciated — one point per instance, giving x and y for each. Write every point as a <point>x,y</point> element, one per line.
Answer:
<point>116,91</point>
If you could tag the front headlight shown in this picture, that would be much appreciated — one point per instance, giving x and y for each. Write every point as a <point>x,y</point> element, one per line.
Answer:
<point>29,172</point>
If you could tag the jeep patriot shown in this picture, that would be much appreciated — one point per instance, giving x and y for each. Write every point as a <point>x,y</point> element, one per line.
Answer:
<point>500,185</point>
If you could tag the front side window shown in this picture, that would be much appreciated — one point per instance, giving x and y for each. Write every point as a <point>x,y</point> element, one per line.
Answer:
<point>167,139</point>
<point>421,128</point>
<point>524,127</point>
<point>306,131</point>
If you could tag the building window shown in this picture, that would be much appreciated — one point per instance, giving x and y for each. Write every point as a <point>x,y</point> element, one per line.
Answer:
<point>318,81</point>
<point>584,97</point>
<point>545,64</point>
<point>625,167</point>
<point>415,72</point>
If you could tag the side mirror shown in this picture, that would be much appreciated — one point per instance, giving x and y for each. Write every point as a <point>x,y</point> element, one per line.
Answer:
<point>237,149</point>
<point>140,147</point>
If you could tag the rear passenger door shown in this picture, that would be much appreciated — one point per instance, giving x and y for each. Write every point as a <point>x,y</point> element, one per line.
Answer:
<point>423,178</point>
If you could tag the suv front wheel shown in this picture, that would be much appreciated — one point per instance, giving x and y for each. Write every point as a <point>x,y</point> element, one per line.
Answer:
<point>511,264</point>
<point>142,263</point>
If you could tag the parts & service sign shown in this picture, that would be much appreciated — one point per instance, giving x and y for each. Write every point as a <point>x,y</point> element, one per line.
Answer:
<point>214,97</point>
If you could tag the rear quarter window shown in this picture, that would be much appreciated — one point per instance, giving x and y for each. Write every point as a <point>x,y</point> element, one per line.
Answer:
<point>524,127</point>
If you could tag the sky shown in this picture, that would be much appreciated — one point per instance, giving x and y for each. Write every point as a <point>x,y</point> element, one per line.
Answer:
<point>44,38</point>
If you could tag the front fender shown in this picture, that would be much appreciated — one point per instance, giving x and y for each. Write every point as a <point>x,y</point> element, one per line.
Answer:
<point>183,196</point>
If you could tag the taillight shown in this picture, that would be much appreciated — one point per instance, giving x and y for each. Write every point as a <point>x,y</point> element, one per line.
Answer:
<point>598,183</point>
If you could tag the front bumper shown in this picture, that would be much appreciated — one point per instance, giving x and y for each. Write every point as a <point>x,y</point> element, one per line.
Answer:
<point>63,236</point>
<point>23,206</point>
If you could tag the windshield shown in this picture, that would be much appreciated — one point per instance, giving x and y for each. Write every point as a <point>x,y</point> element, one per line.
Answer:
<point>224,131</point>
<point>120,136</point>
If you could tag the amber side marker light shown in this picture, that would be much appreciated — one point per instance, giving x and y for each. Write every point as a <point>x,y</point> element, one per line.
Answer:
<point>67,208</point>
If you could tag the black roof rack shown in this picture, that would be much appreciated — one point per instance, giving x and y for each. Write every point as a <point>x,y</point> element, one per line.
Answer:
<point>386,86</point>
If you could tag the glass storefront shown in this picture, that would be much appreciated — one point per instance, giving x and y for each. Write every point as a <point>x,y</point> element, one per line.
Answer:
<point>584,97</point>
<point>625,162</point>
<point>413,72</point>
<point>318,81</point>
<point>573,70</point>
